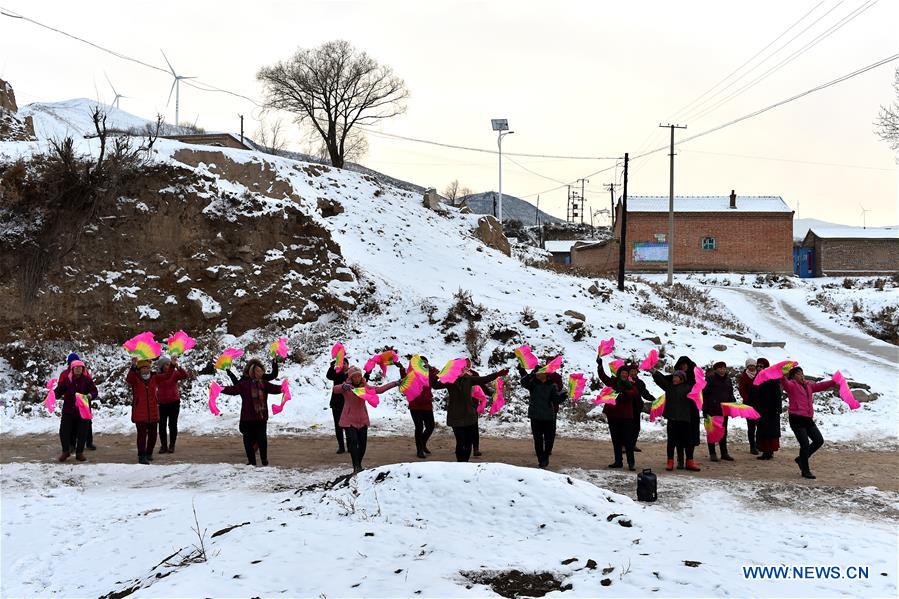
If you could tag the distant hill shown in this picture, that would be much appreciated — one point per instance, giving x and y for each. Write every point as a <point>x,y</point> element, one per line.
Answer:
<point>802,225</point>
<point>513,208</point>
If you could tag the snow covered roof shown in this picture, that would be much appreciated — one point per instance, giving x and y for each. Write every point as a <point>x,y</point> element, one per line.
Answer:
<point>707,204</point>
<point>561,246</point>
<point>855,232</point>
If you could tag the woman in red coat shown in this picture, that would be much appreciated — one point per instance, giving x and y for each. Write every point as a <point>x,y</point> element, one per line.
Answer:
<point>144,408</point>
<point>169,397</point>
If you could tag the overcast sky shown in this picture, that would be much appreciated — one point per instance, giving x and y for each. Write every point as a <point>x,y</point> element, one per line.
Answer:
<point>573,78</point>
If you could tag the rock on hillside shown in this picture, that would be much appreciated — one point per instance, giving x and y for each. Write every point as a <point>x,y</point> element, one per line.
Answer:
<point>13,126</point>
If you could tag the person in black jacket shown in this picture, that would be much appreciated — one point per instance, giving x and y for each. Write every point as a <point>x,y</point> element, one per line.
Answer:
<point>680,413</point>
<point>719,389</point>
<point>687,365</point>
<point>338,378</point>
<point>634,374</point>
<point>543,404</point>
<point>768,401</point>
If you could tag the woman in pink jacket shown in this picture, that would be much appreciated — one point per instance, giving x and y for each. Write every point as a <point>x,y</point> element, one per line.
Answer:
<point>799,393</point>
<point>354,418</point>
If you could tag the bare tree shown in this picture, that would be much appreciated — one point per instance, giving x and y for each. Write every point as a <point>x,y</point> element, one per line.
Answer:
<point>887,122</point>
<point>335,87</point>
<point>452,191</point>
<point>270,137</point>
<point>355,147</point>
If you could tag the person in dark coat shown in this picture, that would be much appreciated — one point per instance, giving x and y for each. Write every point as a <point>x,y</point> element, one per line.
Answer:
<point>620,416</point>
<point>254,390</point>
<point>634,375</point>
<point>685,364</point>
<point>767,399</point>
<point>544,400</point>
<point>71,425</point>
<point>680,413</point>
<point>719,389</point>
<point>169,398</point>
<point>89,432</point>
<point>461,412</point>
<point>744,387</point>
<point>336,403</point>
<point>421,408</point>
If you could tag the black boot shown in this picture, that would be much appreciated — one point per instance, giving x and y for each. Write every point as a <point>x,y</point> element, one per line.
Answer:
<point>712,455</point>
<point>680,462</point>
<point>142,459</point>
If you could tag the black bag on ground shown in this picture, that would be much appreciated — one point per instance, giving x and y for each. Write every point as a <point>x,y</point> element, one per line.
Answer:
<point>646,485</point>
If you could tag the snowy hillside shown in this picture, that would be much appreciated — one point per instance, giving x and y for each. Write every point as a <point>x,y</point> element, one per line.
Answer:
<point>56,120</point>
<point>408,263</point>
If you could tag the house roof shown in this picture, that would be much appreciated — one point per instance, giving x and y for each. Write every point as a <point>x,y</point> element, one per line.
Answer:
<point>707,204</point>
<point>562,246</point>
<point>855,232</point>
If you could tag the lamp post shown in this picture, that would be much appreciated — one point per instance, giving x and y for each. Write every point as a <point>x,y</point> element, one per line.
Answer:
<point>501,126</point>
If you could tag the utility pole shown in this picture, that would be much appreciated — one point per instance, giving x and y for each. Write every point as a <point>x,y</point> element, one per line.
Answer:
<point>537,213</point>
<point>241,127</point>
<point>611,187</point>
<point>583,197</point>
<point>622,242</point>
<point>568,205</point>
<point>670,204</point>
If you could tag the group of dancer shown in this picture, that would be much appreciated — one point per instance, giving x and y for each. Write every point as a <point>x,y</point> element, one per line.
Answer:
<point>156,405</point>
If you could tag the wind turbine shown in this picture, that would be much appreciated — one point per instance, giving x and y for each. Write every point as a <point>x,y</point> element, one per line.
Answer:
<point>176,86</point>
<point>864,212</point>
<point>115,101</point>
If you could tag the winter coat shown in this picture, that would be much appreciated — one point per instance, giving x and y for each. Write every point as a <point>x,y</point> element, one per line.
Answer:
<point>744,386</point>
<point>800,396</point>
<point>767,399</point>
<point>355,410</point>
<point>424,402</point>
<point>544,398</point>
<point>144,405</point>
<point>628,394</point>
<point>718,390</point>
<point>68,385</point>
<point>638,400</point>
<point>253,397</point>
<point>167,391</point>
<point>678,407</point>
<point>461,407</point>
<point>338,378</point>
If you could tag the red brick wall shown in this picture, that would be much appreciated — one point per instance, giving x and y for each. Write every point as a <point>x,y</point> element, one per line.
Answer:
<point>754,242</point>
<point>855,256</point>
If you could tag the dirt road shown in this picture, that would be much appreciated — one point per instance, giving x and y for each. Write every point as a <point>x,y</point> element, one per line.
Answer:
<point>834,466</point>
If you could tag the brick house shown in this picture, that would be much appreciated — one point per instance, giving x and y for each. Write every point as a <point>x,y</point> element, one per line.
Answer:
<point>852,251</point>
<point>711,233</point>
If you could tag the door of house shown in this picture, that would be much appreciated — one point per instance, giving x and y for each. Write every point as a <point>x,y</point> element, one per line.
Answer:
<point>804,262</point>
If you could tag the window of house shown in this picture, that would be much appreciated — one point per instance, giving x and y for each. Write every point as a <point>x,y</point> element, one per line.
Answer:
<point>709,243</point>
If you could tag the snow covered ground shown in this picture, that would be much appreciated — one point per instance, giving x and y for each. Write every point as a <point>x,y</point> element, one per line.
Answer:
<point>429,530</point>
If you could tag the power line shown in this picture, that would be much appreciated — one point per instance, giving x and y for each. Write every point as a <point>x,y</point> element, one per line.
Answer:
<point>756,113</point>
<point>753,57</point>
<point>870,168</point>
<point>482,150</point>
<point>524,168</point>
<point>200,85</point>
<point>821,37</point>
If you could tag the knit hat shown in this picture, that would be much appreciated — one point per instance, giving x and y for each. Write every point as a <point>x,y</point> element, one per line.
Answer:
<point>763,363</point>
<point>250,364</point>
<point>163,360</point>
<point>719,364</point>
<point>750,362</point>
<point>681,374</point>
<point>353,370</point>
<point>142,364</point>
<point>75,363</point>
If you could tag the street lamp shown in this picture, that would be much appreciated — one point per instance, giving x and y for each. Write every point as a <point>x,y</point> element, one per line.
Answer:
<point>501,126</point>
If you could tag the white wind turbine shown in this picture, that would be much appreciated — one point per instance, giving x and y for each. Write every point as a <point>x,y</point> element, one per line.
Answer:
<point>176,86</point>
<point>115,101</point>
